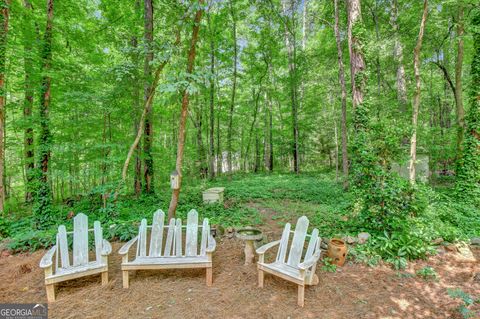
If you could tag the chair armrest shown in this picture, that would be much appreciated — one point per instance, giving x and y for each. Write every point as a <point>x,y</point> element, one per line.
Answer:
<point>106,248</point>
<point>212,244</point>
<point>125,248</point>
<point>310,262</point>
<point>46,260</point>
<point>266,247</point>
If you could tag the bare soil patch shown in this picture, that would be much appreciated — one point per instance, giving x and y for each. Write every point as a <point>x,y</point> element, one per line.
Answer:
<point>354,291</point>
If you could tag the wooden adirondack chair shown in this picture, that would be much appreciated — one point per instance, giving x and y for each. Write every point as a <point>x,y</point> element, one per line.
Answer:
<point>79,265</point>
<point>292,269</point>
<point>171,255</point>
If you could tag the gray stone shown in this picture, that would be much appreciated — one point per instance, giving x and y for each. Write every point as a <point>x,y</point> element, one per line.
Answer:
<point>475,241</point>
<point>350,240</point>
<point>363,237</point>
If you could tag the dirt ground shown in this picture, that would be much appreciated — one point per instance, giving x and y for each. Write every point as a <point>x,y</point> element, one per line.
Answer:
<point>354,291</point>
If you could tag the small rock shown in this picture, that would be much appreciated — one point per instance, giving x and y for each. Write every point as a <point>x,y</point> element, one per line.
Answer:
<point>148,308</point>
<point>451,247</point>
<point>363,237</point>
<point>476,278</point>
<point>475,241</point>
<point>349,240</point>
<point>465,254</point>
<point>437,241</point>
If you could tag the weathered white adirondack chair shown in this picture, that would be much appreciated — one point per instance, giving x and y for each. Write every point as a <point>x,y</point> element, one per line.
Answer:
<point>171,255</point>
<point>292,269</point>
<point>80,266</point>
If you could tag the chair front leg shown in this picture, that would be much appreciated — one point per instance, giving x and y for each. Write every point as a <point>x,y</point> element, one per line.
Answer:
<point>49,287</point>
<point>125,272</point>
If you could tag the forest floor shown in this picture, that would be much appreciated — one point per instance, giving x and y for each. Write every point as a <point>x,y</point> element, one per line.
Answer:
<point>353,291</point>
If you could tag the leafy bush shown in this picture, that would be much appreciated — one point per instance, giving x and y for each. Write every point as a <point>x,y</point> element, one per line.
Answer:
<point>467,300</point>
<point>427,273</point>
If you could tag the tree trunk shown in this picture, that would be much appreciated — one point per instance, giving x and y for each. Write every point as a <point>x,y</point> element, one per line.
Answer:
<point>416,96</point>
<point>28,145</point>
<point>3,48</point>
<point>219,151</point>
<point>290,42</point>
<point>341,79</point>
<point>357,62</point>
<point>43,194</point>
<point>147,142</point>
<point>234,86</point>
<point>398,56</point>
<point>211,168</point>
<point>183,117</point>
<point>137,181</point>
<point>460,112</point>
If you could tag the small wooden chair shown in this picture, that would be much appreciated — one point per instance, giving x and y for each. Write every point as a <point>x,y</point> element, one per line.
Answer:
<point>173,254</point>
<point>292,269</point>
<point>80,266</point>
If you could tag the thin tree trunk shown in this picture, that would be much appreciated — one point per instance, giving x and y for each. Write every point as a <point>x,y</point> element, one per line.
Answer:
<point>43,194</point>
<point>28,102</point>
<point>3,48</point>
<point>183,117</point>
<point>290,42</point>
<point>211,167</point>
<point>458,81</point>
<point>219,151</point>
<point>398,56</point>
<point>234,86</point>
<point>137,181</point>
<point>416,96</point>
<point>147,142</point>
<point>341,79</point>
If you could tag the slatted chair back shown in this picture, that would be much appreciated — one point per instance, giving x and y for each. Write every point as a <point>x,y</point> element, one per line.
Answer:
<point>173,245</point>
<point>80,243</point>
<point>295,253</point>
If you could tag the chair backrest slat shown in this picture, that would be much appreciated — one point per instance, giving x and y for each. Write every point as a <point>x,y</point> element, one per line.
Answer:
<point>156,236</point>
<point>98,232</point>
<point>178,238</point>
<point>205,233</point>
<point>169,241</point>
<point>312,245</point>
<point>283,246</point>
<point>142,239</point>
<point>298,241</point>
<point>62,246</point>
<point>80,240</point>
<point>191,237</point>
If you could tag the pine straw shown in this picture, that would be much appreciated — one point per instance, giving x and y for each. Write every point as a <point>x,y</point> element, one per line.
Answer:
<point>355,291</point>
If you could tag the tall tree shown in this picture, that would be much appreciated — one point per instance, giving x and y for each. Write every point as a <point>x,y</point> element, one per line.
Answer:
<point>147,70</point>
<point>43,193</point>
<point>234,87</point>
<point>211,167</point>
<point>184,112</point>
<point>460,112</point>
<point>398,56</point>
<point>341,79</point>
<point>416,96</point>
<point>3,56</point>
<point>289,9</point>
<point>468,181</point>
<point>137,181</point>
<point>29,86</point>
<point>357,61</point>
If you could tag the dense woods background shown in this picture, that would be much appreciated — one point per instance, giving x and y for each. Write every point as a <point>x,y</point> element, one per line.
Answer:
<point>273,86</point>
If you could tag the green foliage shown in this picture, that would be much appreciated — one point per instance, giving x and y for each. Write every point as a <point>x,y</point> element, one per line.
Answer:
<point>468,181</point>
<point>427,273</point>
<point>468,300</point>
<point>327,265</point>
